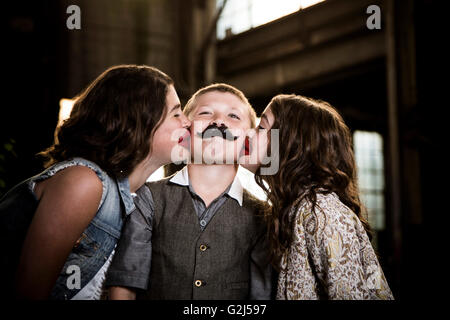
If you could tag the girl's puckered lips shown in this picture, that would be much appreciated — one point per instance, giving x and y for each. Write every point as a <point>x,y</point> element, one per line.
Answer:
<point>184,140</point>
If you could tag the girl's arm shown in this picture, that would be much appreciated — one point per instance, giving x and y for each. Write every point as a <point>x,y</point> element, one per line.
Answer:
<point>121,293</point>
<point>130,267</point>
<point>67,204</point>
<point>335,248</point>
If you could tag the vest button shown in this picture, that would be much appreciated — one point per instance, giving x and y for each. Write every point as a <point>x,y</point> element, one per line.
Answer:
<point>198,283</point>
<point>203,247</point>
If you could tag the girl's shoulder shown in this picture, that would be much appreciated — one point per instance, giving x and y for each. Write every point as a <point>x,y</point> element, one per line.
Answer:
<point>324,202</point>
<point>73,166</point>
<point>76,162</point>
<point>328,209</point>
<point>74,179</point>
<point>74,174</point>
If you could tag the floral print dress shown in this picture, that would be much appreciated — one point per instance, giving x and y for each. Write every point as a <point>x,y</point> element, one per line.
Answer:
<point>331,256</point>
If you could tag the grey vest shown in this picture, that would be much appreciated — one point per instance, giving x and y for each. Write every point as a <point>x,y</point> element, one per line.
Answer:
<point>190,264</point>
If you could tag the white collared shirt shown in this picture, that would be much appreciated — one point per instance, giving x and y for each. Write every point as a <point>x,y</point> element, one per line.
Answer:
<point>236,190</point>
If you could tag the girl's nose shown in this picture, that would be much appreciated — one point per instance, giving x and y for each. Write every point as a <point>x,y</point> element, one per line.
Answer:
<point>185,122</point>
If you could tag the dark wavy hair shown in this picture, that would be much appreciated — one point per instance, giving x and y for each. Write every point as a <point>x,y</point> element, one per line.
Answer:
<point>315,156</point>
<point>113,120</point>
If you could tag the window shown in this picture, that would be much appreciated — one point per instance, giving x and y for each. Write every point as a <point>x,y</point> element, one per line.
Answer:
<point>242,15</point>
<point>368,148</point>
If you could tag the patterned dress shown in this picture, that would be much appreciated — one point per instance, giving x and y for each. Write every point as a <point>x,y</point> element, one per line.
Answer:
<point>331,256</point>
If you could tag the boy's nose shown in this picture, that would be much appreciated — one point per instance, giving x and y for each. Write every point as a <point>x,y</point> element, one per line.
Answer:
<point>218,121</point>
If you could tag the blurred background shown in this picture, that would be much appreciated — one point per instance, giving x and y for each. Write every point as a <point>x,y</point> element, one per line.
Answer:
<point>381,80</point>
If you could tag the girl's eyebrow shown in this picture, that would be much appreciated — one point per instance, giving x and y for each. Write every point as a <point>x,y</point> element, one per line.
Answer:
<point>175,107</point>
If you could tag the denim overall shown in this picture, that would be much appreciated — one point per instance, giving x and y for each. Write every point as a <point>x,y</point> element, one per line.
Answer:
<point>97,241</point>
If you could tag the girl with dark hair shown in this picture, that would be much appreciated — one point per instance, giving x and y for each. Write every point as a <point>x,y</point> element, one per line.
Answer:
<point>319,236</point>
<point>59,228</point>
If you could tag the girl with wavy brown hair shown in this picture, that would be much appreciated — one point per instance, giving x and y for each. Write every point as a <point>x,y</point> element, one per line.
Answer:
<point>59,229</point>
<point>319,235</point>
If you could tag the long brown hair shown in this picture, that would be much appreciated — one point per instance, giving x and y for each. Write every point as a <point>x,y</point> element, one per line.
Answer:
<point>113,119</point>
<point>315,156</point>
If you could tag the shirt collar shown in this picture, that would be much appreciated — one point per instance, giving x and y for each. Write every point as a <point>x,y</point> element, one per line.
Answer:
<point>236,191</point>
<point>124,191</point>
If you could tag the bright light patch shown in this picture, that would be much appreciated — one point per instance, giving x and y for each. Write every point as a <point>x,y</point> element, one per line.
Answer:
<point>65,107</point>
<point>241,15</point>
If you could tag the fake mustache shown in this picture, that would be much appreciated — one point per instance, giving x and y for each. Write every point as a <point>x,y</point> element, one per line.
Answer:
<point>215,131</point>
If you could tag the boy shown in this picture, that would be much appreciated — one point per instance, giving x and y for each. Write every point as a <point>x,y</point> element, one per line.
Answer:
<point>198,234</point>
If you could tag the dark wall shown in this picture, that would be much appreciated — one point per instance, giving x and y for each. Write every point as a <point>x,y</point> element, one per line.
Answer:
<point>425,127</point>
<point>33,66</point>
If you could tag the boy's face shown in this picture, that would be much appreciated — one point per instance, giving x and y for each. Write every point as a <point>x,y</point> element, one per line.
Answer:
<point>225,111</point>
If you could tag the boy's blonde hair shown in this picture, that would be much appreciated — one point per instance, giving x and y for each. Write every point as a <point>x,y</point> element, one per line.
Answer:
<point>221,87</point>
